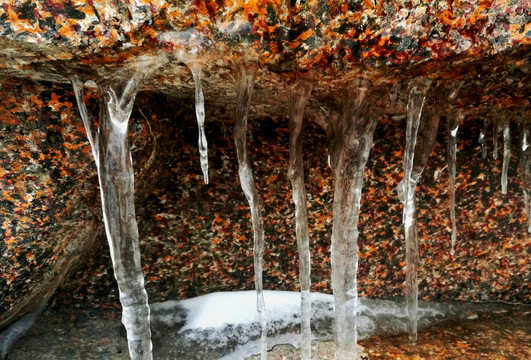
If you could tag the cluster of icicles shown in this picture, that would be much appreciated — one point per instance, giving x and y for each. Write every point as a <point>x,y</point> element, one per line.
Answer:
<point>351,136</point>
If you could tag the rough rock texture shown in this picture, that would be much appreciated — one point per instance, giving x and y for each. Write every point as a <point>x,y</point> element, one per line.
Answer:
<point>491,332</point>
<point>196,238</point>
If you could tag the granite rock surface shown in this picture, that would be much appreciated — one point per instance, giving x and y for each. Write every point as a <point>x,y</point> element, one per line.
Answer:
<point>196,238</point>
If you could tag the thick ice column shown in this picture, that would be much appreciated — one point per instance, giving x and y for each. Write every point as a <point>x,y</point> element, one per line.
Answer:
<point>115,172</point>
<point>506,155</point>
<point>244,89</point>
<point>453,126</point>
<point>351,141</point>
<point>297,98</point>
<point>200,115</point>
<point>415,157</point>
<point>525,168</point>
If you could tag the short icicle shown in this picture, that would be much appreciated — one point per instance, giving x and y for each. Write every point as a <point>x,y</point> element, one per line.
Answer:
<point>351,138</point>
<point>453,126</point>
<point>244,89</point>
<point>415,157</point>
<point>495,134</point>
<point>506,155</point>
<point>483,138</point>
<point>525,169</point>
<point>298,95</point>
<point>200,115</point>
<point>112,154</point>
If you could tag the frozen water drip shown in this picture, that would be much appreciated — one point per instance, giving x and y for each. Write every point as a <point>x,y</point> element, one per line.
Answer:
<point>506,155</point>
<point>200,115</point>
<point>453,126</point>
<point>298,95</point>
<point>415,157</point>
<point>110,148</point>
<point>244,90</point>
<point>351,138</point>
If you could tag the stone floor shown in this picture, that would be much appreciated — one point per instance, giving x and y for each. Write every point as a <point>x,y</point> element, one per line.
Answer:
<point>96,333</point>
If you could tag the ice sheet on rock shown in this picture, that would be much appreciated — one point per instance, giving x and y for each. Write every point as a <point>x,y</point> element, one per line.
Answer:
<point>298,95</point>
<point>200,115</point>
<point>244,89</point>
<point>416,154</point>
<point>226,325</point>
<point>240,307</point>
<point>506,155</point>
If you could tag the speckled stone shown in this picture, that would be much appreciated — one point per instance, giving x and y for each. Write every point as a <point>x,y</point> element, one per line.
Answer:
<point>197,238</point>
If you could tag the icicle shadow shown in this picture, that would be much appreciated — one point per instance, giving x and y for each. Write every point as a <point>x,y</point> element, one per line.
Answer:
<point>351,137</point>
<point>245,77</point>
<point>110,148</point>
<point>298,95</point>
<point>525,168</point>
<point>416,154</point>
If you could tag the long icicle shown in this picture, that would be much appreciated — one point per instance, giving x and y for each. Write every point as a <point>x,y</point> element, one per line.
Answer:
<point>115,172</point>
<point>200,115</point>
<point>525,169</point>
<point>411,174</point>
<point>351,141</point>
<point>506,155</point>
<point>297,98</point>
<point>453,126</point>
<point>244,90</point>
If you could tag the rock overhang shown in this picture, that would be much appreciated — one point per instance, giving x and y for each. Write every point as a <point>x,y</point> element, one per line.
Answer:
<point>328,42</point>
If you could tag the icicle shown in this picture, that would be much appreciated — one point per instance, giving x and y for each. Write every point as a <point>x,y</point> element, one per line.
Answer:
<point>482,138</point>
<point>200,114</point>
<point>244,90</point>
<point>453,126</point>
<point>351,141</point>
<point>495,134</point>
<point>506,155</point>
<point>415,158</point>
<point>115,172</point>
<point>525,169</point>
<point>297,98</point>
